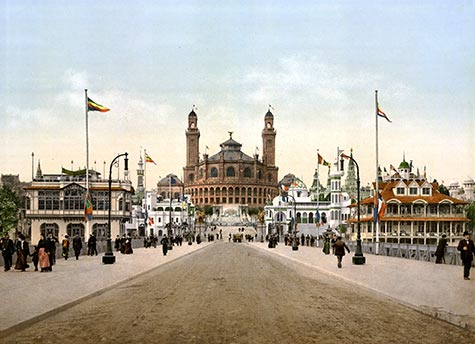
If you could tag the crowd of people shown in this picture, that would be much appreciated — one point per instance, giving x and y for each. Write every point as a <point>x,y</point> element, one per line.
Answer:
<point>43,255</point>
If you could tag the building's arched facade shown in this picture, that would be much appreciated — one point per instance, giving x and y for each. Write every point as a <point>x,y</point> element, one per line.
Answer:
<point>230,177</point>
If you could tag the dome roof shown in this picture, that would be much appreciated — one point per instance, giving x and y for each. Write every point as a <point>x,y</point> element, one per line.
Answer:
<point>269,114</point>
<point>404,165</point>
<point>230,151</point>
<point>192,113</point>
<point>165,181</point>
<point>293,182</point>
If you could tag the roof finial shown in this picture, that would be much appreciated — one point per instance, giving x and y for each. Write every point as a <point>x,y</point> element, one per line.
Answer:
<point>230,134</point>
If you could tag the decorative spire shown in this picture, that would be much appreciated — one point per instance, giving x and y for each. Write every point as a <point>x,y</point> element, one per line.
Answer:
<point>39,174</point>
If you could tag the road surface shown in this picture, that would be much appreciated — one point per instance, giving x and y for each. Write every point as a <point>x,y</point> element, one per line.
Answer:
<point>233,293</point>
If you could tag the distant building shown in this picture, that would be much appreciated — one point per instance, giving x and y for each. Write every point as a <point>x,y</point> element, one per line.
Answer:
<point>466,192</point>
<point>312,217</point>
<point>230,178</point>
<point>55,204</point>
<point>416,212</point>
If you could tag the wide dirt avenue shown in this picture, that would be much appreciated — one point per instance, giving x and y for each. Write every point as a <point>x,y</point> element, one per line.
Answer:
<point>234,293</point>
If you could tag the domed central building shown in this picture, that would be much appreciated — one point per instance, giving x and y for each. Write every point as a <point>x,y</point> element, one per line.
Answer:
<point>230,179</point>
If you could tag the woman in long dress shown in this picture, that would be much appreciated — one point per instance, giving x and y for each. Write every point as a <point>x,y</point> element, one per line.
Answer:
<point>22,252</point>
<point>43,255</point>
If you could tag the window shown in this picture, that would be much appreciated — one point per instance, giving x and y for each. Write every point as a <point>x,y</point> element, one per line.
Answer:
<point>230,172</point>
<point>400,191</point>
<point>247,172</point>
<point>100,231</point>
<point>47,228</point>
<point>75,228</point>
<point>426,191</point>
<point>100,200</point>
<point>74,199</point>
<point>413,191</point>
<point>191,177</point>
<point>48,200</point>
<point>214,172</point>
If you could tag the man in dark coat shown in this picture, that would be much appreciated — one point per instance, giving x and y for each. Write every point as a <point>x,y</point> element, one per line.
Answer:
<point>8,248</point>
<point>91,245</point>
<point>164,243</point>
<point>467,251</point>
<point>51,248</point>
<point>339,249</point>
<point>441,248</point>
<point>77,245</point>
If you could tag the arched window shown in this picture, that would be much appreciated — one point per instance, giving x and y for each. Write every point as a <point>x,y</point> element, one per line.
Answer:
<point>310,218</point>
<point>230,172</point>
<point>191,177</point>
<point>75,228</point>
<point>47,228</point>
<point>299,218</point>
<point>100,230</point>
<point>214,172</point>
<point>247,173</point>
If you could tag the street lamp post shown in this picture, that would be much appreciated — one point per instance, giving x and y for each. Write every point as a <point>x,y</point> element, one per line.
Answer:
<point>109,257</point>
<point>358,258</point>
<point>295,246</point>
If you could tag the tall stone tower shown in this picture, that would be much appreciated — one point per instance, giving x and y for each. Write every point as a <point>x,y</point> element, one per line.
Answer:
<point>268,140</point>
<point>140,191</point>
<point>351,180</point>
<point>140,175</point>
<point>268,147</point>
<point>192,140</point>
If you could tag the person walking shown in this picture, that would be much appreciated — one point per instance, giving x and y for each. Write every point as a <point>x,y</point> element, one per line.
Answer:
<point>34,258</point>
<point>326,244</point>
<point>164,243</point>
<point>117,243</point>
<point>8,248</point>
<point>467,251</point>
<point>77,245</point>
<point>43,255</point>
<point>51,249</point>
<point>339,250</point>
<point>440,251</point>
<point>65,245</point>
<point>22,253</point>
<point>92,245</point>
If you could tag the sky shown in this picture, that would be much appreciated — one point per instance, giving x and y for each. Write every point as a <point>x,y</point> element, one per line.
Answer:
<point>318,63</point>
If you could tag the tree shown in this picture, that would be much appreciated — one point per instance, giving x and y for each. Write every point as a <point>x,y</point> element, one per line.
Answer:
<point>443,190</point>
<point>470,210</point>
<point>208,210</point>
<point>9,204</point>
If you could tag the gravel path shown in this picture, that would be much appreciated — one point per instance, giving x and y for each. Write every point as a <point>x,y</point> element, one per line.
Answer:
<point>233,293</point>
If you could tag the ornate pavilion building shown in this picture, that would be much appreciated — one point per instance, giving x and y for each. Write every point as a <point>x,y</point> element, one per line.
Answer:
<point>416,212</point>
<point>55,204</point>
<point>230,179</point>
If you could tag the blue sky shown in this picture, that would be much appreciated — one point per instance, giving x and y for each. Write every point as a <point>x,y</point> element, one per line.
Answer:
<point>317,62</point>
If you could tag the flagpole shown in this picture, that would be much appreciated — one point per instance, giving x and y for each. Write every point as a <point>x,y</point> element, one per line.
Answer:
<point>86,234</point>
<point>145,171</point>
<point>375,212</point>
<point>318,197</point>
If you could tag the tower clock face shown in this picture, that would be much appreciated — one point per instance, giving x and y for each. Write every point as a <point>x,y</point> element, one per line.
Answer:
<point>192,125</point>
<point>269,125</point>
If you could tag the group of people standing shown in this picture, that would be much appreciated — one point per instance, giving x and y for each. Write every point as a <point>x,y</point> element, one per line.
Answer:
<point>124,244</point>
<point>43,254</point>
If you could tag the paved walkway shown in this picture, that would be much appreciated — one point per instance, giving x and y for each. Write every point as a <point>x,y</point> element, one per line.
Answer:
<point>29,294</point>
<point>438,290</point>
<point>435,289</point>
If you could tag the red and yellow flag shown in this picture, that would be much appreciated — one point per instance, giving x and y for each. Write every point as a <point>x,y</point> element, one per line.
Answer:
<point>93,106</point>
